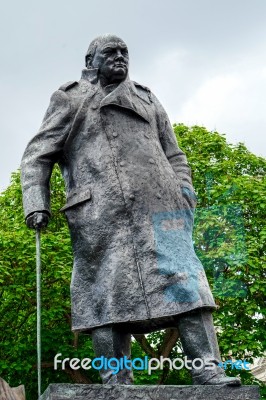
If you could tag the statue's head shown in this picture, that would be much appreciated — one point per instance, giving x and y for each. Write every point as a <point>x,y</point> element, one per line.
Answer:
<point>109,54</point>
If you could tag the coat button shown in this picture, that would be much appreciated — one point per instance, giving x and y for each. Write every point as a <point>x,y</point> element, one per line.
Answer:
<point>132,197</point>
<point>115,134</point>
<point>151,161</point>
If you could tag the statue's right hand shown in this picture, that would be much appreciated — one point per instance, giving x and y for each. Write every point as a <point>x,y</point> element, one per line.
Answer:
<point>37,220</point>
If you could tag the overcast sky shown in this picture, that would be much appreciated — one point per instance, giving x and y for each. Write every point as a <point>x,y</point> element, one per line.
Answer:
<point>204,59</point>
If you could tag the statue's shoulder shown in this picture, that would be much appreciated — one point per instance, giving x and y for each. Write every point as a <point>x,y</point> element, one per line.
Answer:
<point>143,91</point>
<point>68,85</point>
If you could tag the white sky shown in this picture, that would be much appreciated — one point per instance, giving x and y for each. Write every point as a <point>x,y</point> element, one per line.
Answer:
<point>204,59</point>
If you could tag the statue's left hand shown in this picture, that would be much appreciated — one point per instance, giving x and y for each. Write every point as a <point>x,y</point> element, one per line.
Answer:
<point>37,220</point>
<point>189,194</point>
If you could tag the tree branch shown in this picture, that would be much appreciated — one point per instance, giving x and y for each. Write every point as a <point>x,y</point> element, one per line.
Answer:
<point>169,341</point>
<point>141,339</point>
<point>77,376</point>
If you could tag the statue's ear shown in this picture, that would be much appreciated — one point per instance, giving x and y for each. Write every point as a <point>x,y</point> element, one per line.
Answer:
<point>88,60</point>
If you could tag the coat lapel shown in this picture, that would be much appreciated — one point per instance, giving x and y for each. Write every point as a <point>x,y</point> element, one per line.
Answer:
<point>125,96</point>
<point>82,111</point>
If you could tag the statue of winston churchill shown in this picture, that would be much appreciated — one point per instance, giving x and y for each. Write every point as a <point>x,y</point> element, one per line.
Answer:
<point>130,204</point>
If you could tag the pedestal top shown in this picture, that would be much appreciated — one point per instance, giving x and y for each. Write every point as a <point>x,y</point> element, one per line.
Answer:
<point>66,391</point>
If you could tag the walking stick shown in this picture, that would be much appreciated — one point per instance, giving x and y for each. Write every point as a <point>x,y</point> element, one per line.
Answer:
<point>38,286</point>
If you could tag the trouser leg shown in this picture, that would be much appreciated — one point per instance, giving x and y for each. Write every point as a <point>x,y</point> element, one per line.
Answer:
<point>199,340</point>
<point>198,336</point>
<point>109,342</point>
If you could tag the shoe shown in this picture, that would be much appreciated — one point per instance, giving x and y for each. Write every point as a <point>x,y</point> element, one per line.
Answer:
<point>219,378</point>
<point>225,380</point>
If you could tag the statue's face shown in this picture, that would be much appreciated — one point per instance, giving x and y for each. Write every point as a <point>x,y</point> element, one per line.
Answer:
<point>111,59</point>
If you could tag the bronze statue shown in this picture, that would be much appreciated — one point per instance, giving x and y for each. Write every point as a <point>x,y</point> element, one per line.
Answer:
<point>130,204</point>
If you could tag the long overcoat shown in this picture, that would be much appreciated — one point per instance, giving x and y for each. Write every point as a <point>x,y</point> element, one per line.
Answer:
<point>130,205</point>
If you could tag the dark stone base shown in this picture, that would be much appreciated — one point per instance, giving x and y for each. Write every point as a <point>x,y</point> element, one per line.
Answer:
<point>66,391</point>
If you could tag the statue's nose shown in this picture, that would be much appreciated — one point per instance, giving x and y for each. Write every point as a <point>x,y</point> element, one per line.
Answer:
<point>119,55</point>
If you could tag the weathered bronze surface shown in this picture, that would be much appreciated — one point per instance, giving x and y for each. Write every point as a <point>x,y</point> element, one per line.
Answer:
<point>130,205</point>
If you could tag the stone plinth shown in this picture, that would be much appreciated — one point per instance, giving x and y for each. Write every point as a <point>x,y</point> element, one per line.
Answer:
<point>151,392</point>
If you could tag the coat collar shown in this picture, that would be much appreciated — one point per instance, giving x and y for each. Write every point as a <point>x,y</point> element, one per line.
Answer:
<point>125,95</point>
<point>90,74</point>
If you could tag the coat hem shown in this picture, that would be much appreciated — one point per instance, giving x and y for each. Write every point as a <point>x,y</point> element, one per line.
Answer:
<point>147,325</point>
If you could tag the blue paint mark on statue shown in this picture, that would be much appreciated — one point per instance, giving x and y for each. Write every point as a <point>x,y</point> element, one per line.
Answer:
<point>174,261</point>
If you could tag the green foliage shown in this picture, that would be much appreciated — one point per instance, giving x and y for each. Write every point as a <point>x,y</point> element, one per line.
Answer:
<point>230,239</point>
<point>18,293</point>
